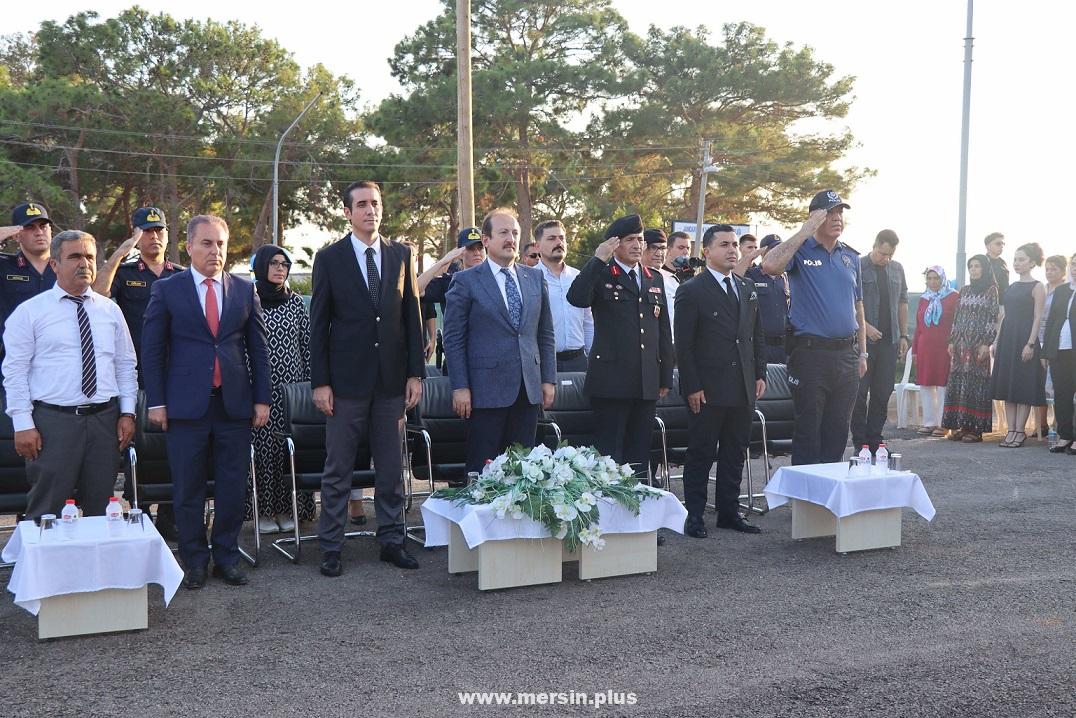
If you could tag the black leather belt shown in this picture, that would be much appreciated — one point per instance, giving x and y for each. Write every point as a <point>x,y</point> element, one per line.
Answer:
<point>810,342</point>
<point>776,341</point>
<point>81,409</point>
<point>569,354</point>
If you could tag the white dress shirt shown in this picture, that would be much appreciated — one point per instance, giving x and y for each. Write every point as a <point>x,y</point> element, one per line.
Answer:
<point>496,269</point>
<point>218,289</point>
<point>43,360</point>
<point>637,269</point>
<point>721,281</point>
<point>360,248</point>
<point>573,327</point>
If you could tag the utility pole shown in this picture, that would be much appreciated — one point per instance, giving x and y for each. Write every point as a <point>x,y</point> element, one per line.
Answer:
<point>276,170</point>
<point>705,169</point>
<point>962,219</point>
<point>464,136</point>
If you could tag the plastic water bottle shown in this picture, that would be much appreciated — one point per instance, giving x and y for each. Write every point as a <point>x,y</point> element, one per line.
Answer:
<point>882,457</point>
<point>114,517</point>
<point>1051,438</point>
<point>68,519</point>
<point>865,459</point>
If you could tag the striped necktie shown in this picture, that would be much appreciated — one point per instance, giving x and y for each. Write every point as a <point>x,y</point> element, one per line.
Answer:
<point>89,360</point>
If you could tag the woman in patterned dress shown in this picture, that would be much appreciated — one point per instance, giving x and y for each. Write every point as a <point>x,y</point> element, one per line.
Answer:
<point>287,326</point>
<point>967,393</point>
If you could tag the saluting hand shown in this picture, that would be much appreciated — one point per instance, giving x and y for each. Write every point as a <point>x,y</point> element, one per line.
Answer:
<point>814,221</point>
<point>604,251</point>
<point>9,231</point>
<point>128,244</point>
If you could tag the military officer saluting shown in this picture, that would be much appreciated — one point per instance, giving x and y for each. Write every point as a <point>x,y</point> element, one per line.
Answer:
<point>26,273</point>
<point>632,359</point>
<point>129,283</point>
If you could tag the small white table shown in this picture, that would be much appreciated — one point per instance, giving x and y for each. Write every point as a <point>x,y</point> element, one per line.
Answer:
<point>94,582</point>
<point>521,552</point>
<point>863,511</point>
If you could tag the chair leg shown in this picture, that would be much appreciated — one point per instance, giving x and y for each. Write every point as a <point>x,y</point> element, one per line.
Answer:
<point>253,560</point>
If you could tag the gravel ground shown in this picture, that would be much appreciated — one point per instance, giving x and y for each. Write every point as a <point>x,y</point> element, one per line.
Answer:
<point>973,616</point>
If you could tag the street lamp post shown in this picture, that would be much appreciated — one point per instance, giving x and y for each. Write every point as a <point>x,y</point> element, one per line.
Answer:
<point>276,171</point>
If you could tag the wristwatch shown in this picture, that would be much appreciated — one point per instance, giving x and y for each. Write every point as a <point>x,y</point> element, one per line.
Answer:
<point>864,355</point>
<point>905,337</point>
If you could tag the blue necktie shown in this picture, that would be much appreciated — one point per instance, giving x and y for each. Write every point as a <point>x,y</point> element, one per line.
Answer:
<point>515,303</point>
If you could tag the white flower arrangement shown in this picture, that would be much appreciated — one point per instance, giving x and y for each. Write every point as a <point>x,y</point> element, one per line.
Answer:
<point>558,488</point>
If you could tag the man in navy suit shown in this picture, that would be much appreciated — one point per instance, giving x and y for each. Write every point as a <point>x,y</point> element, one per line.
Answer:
<point>499,344</point>
<point>203,329</point>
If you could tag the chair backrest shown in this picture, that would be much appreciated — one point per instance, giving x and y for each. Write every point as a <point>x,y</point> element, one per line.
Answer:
<point>154,474</point>
<point>13,484</point>
<point>673,412</point>
<point>776,406</point>
<point>306,425</point>
<point>571,411</point>
<point>448,432</point>
<point>907,367</point>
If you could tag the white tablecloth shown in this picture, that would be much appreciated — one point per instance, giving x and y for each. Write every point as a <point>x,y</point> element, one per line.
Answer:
<point>91,561</point>
<point>479,523</point>
<point>830,485</point>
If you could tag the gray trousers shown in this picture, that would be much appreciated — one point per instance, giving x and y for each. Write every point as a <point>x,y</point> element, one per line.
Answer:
<point>79,459</point>
<point>379,420</point>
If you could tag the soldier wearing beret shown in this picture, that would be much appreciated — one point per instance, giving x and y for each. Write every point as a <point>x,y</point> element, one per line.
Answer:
<point>129,283</point>
<point>26,273</point>
<point>632,358</point>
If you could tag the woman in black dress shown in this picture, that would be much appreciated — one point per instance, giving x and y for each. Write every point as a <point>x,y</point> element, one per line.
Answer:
<point>287,327</point>
<point>1019,378</point>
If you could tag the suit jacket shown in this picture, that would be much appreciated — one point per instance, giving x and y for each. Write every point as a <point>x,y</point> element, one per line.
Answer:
<point>354,347</point>
<point>720,347</point>
<point>632,354</point>
<point>1051,338</point>
<point>484,352</point>
<point>178,349</point>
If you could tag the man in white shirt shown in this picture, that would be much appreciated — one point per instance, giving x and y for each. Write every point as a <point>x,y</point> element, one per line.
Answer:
<point>574,327</point>
<point>71,384</point>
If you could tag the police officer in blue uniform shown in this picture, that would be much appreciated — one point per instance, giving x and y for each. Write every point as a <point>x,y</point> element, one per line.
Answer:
<point>26,273</point>
<point>129,283</point>
<point>772,300</point>
<point>827,343</point>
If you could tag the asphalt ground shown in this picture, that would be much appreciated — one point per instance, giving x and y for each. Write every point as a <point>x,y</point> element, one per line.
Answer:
<point>974,615</point>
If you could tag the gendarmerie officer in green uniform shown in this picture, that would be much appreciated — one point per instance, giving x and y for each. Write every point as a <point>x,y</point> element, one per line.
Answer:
<point>26,273</point>
<point>631,363</point>
<point>128,283</point>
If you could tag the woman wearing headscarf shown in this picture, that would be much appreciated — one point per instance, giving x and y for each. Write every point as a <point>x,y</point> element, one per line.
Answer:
<point>287,326</point>
<point>967,394</point>
<point>1059,341</point>
<point>930,346</point>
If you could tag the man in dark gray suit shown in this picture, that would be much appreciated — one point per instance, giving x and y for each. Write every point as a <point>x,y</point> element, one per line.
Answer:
<point>366,368</point>
<point>499,344</point>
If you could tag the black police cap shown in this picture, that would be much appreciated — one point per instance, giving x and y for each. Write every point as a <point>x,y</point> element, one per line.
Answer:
<point>148,218</point>
<point>827,199</point>
<point>28,213</point>
<point>469,237</point>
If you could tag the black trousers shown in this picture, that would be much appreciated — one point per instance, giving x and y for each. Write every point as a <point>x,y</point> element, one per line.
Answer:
<point>718,433</point>
<point>872,401</point>
<point>624,429</point>
<point>1063,371</point>
<point>491,431</point>
<point>824,384</point>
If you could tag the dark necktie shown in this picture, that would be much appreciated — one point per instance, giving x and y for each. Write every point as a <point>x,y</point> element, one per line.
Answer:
<point>89,360</point>
<point>730,292</point>
<point>373,279</point>
<point>515,303</point>
<point>633,278</point>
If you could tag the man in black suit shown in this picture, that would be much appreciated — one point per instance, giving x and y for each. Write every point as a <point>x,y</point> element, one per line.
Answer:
<point>632,356</point>
<point>366,368</point>
<point>720,352</point>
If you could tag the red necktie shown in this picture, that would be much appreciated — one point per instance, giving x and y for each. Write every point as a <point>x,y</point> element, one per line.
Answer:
<point>212,317</point>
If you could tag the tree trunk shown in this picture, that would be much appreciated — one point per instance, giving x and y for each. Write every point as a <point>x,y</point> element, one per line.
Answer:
<point>172,207</point>
<point>523,188</point>
<point>73,180</point>
<point>262,230</point>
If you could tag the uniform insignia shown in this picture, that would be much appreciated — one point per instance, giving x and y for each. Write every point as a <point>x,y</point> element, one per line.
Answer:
<point>32,211</point>
<point>655,290</point>
<point>153,217</point>
<point>608,286</point>
<point>847,260</point>
<point>141,267</point>
<point>614,270</point>
<point>761,284</point>
<point>646,273</point>
<point>754,295</point>
<point>17,278</point>
<point>473,235</point>
<point>657,312</point>
<point>20,261</point>
<point>169,266</point>
<point>135,283</point>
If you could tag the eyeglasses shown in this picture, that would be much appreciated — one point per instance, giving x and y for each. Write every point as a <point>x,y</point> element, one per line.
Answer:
<point>533,255</point>
<point>279,263</point>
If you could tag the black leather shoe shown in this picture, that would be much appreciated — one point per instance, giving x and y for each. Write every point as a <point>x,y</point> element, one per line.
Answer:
<point>330,564</point>
<point>695,528</point>
<point>194,578</point>
<point>232,575</point>
<point>395,554</point>
<point>1071,451</point>
<point>1062,448</point>
<point>738,524</point>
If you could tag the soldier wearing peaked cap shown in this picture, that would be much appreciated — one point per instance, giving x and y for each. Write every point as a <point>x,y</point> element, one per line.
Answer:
<point>26,273</point>
<point>632,356</point>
